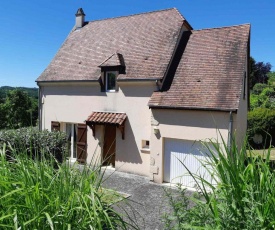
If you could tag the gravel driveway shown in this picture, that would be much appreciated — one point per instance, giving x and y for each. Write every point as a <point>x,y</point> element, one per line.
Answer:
<point>147,201</point>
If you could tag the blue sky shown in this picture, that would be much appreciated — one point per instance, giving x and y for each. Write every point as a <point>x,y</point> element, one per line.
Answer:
<point>33,30</point>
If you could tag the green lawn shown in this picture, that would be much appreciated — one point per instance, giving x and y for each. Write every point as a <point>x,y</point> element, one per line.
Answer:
<point>263,152</point>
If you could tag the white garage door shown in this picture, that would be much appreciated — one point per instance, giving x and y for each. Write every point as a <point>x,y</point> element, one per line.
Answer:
<point>190,153</point>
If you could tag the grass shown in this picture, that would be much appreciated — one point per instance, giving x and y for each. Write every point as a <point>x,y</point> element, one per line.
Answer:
<point>263,153</point>
<point>34,195</point>
<point>111,196</point>
<point>243,197</point>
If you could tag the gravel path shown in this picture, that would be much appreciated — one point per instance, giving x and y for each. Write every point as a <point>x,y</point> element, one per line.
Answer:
<point>146,203</point>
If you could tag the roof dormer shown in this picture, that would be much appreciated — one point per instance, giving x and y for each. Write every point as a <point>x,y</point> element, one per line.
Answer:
<point>110,69</point>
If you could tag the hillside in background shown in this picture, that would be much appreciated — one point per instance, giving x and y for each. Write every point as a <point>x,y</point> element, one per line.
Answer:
<point>32,92</point>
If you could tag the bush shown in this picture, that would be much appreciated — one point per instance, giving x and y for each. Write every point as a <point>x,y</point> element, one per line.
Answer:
<point>243,197</point>
<point>33,141</point>
<point>258,88</point>
<point>261,121</point>
<point>34,195</point>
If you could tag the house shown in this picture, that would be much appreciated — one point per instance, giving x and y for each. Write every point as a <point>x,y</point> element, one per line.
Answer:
<point>140,90</point>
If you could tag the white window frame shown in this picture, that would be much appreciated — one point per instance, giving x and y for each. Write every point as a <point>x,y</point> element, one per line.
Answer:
<point>106,81</point>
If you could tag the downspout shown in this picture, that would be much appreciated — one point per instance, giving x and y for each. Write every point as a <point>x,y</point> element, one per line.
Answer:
<point>230,128</point>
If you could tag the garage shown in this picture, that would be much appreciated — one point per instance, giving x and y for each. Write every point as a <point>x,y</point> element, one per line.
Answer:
<point>191,153</point>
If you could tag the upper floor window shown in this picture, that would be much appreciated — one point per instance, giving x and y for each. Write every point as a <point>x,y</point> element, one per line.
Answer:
<point>110,81</point>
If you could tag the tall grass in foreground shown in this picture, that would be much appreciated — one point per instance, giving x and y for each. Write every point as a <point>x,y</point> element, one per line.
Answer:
<point>244,197</point>
<point>34,195</point>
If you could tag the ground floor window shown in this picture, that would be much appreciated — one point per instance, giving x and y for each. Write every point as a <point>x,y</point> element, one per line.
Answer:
<point>71,131</point>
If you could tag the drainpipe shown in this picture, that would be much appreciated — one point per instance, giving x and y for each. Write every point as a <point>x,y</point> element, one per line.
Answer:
<point>230,128</point>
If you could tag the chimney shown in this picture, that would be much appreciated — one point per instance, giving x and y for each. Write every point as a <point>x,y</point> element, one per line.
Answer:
<point>80,18</point>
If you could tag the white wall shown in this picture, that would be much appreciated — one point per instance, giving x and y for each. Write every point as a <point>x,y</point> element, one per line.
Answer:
<point>74,102</point>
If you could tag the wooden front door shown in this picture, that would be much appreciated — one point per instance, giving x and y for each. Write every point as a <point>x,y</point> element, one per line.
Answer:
<point>109,147</point>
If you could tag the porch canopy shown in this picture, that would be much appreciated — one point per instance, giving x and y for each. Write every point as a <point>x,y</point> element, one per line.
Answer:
<point>107,118</point>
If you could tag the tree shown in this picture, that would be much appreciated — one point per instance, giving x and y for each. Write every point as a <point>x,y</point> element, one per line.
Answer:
<point>3,120</point>
<point>271,78</point>
<point>258,72</point>
<point>18,109</point>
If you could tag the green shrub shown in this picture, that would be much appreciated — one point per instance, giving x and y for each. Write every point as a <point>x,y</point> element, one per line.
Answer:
<point>254,101</point>
<point>258,88</point>
<point>34,141</point>
<point>261,121</point>
<point>243,197</point>
<point>34,195</point>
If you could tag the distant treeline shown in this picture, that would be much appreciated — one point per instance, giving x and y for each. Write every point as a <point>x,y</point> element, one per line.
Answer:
<point>32,92</point>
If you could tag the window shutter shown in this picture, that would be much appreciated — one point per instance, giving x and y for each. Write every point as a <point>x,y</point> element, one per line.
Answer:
<point>81,143</point>
<point>55,126</point>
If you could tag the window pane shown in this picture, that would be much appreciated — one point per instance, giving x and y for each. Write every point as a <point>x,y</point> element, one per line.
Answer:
<point>111,81</point>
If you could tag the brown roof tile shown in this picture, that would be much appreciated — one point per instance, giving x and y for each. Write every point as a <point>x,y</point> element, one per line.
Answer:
<point>115,59</point>
<point>146,42</point>
<point>210,72</point>
<point>106,118</point>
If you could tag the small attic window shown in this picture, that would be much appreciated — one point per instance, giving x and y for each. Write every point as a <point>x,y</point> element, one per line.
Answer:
<point>110,80</point>
<point>110,69</point>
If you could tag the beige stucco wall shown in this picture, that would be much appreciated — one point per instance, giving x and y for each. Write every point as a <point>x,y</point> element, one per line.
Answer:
<point>186,125</point>
<point>68,102</point>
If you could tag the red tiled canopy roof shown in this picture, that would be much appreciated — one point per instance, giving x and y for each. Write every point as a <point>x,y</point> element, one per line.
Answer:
<point>210,74</point>
<point>146,42</point>
<point>106,118</point>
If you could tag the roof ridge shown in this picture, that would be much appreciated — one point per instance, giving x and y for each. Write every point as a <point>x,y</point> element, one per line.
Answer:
<point>183,18</point>
<point>131,15</point>
<point>223,27</point>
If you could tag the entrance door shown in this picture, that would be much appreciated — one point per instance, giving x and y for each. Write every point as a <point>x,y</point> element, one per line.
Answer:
<point>109,147</point>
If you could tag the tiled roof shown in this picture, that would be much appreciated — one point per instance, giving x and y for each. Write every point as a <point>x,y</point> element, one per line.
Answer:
<point>106,118</point>
<point>115,59</point>
<point>146,42</point>
<point>210,73</point>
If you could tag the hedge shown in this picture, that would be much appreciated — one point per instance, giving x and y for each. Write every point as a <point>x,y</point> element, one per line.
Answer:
<point>33,141</point>
<point>261,121</point>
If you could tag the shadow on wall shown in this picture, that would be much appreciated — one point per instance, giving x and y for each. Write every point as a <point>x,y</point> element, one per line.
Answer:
<point>78,90</point>
<point>140,91</point>
<point>127,149</point>
<point>192,118</point>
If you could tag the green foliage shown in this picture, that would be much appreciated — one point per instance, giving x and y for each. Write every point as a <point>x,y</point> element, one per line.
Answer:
<point>33,141</point>
<point>254,101</point>
<point>261,121</point>
<point>258,72</point>
<point>243,197</point>
<point>271,78</point>
<point>18,110</point>
<point>32,92</point>
<point>34,195</point>
<point>258,88</point>
<point>263,96</point>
